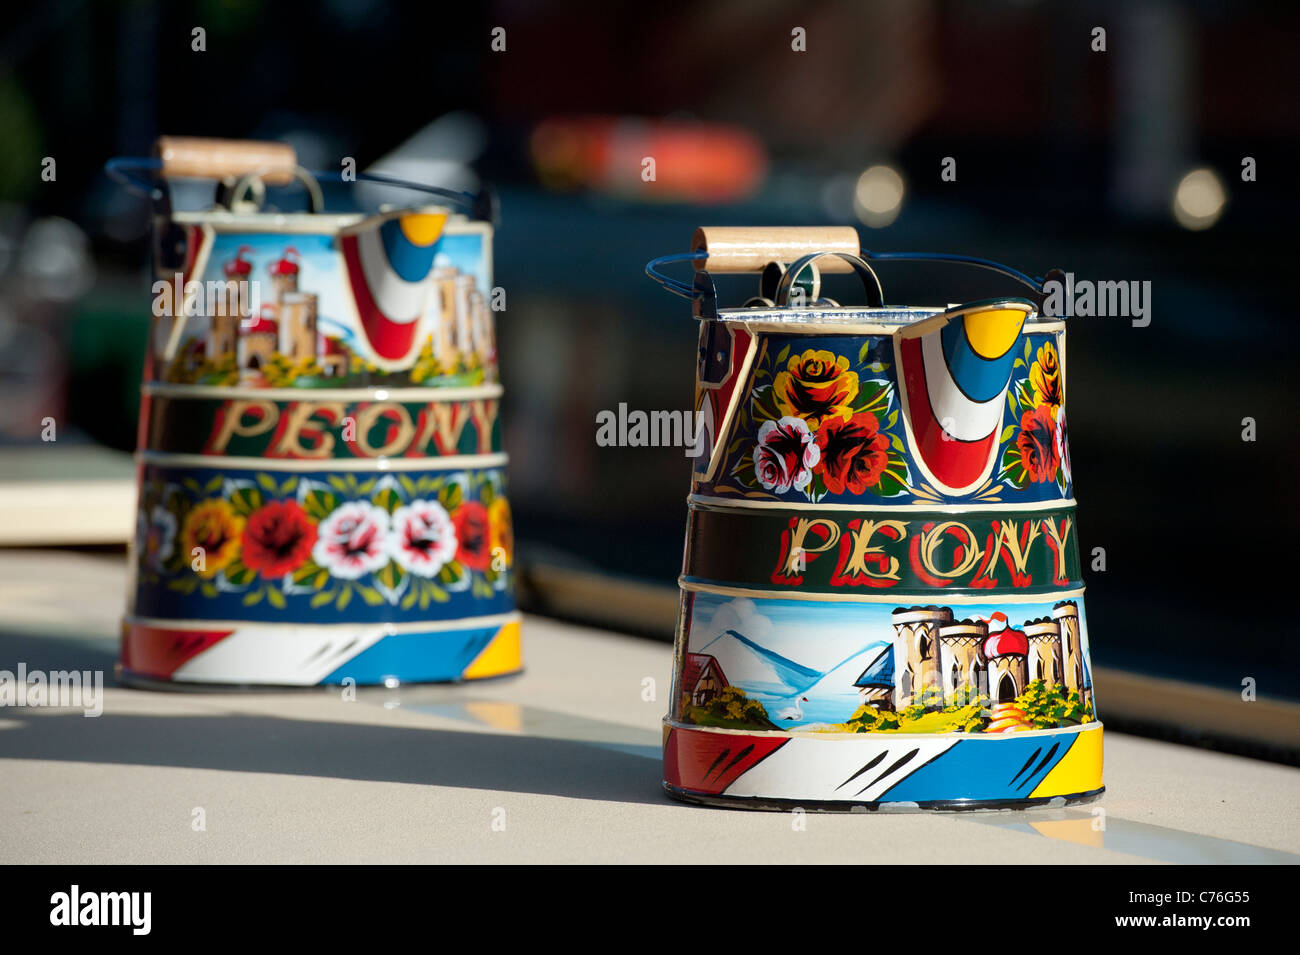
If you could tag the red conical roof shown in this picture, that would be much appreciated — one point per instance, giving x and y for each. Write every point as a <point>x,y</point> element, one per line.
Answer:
<point>285,265</point>
<point>239,266</point>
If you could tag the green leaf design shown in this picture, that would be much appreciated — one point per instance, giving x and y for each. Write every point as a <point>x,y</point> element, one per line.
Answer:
<point>338,484</point>
<point>213,486</point>
<point>388,499</point>
<point>275,598</point>
<point>889,485</point>
<point>208,590</point>
<point>1007,432</point>
<point>254,597</point>
<point>239,575</point>
<point>450,497</point>
<point>370,595</point>
<point>764,405</point>
<point>873,396</point>
<point>863,352</point>
<point>1013,469</point>
<point>289,484</point>
<point>407,485</point>
<point>246,500</point>
<point>345,597</point>
<point>322,598</point>
<point>319,504</point>
<point>267,482</point>
<point>816,488</point>
<point>409,600</point>
<point>782,355</point>
<point>305,572</point>
<point>744,470</point>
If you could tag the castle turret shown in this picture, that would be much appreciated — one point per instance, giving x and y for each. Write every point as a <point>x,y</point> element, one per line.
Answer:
<point>444,330</point>
<point>962,666</point>
<point>231,308</point>
<point>284,274</point>
<point>1066,614</point>
<point>1046,661</point>
<point>297,320</point>
<point>484,334</point>
<point>916,648</point>
<point>464,334</point>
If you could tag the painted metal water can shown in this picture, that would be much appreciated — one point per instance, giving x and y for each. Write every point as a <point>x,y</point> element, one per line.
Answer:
<point>881,598</point>
<point>322,490</point>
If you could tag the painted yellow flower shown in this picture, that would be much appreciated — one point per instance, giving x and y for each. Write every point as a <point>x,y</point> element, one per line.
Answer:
<point>816,385</point>
<point>501,532</point>
<point>1045,377</point>
<point>215,527</point>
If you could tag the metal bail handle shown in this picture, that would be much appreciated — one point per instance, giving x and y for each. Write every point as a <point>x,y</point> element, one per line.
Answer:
<point>755,249</point>
<point>242,166</point>
<point>870,281</point>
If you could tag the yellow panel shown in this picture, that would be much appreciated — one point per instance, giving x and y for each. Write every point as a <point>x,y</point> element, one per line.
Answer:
<point>1079,770</point>
<point>500,656</point>
<point>991,333</point>
<point>423,228</point>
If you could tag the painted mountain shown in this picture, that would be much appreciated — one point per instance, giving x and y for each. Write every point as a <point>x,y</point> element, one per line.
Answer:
<point>780,683</point>
<point>757,670</point>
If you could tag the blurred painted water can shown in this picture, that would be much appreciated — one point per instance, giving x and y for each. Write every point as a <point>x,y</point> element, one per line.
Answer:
<point>882,603</point>
<point>322,490</point>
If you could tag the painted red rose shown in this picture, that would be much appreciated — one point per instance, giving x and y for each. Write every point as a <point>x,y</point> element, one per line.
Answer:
<point>1037,443</point>
<point>471,523</point>
<point>853,453</point>
<point>277,539</point>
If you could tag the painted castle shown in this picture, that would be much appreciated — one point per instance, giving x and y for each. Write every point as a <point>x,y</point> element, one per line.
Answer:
<point>287,325</point>
<point>934,655</point>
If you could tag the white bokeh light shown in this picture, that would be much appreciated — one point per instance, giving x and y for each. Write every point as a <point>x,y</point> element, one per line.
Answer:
<point>878,196</point>
<point>1199,199</point>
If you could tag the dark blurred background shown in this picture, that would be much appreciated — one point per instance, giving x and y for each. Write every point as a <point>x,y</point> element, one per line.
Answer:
<point>1123,164</point>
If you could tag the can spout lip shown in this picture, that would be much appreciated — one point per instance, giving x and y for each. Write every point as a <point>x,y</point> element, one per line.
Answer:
<point>906,320</point>
<point>786,258</point>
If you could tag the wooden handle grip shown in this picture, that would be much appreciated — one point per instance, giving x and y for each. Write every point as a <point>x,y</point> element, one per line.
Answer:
<point>745,249</point>
<point>226,158</point>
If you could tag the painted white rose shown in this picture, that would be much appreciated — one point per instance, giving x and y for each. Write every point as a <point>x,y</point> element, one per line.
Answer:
<point>422,538</point>
<point>350,542</point>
